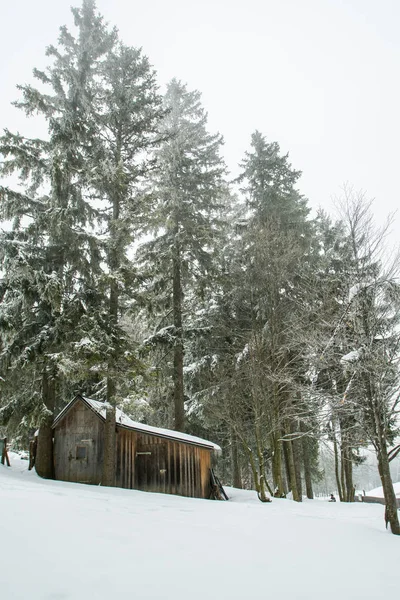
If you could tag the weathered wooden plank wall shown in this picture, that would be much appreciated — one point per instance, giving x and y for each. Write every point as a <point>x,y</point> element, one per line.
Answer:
<point>143,461</point>
<point>155,464</point>
<point>80,428</point>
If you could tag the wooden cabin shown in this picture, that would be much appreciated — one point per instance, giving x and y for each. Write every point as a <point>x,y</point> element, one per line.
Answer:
<point>147,458</point>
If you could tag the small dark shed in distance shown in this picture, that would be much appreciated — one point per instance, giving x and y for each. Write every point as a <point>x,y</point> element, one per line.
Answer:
<point>147,458</point>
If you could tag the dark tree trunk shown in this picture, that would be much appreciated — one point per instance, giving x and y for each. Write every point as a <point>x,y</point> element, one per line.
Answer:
<point>391,513</point>
<point>342,478</point>
<point>298,461</point>
<point>263,482</point>
<point>347,463</point>
<point>235,466</point>
<point>114,261</point>
<point>286,461</point>
<point>291,470</point>
<point>305,442</point>
<point>348,473</point>
<point>336,456</point>
<point>279,488</point>
<point>179,399</point>
<point>44,463</point>
<point>260,483</point>
<point>44,456</point>
<point>109,461</point>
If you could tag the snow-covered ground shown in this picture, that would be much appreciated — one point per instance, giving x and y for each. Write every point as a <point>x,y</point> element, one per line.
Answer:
<point>69,541</point>
<point>378,492</point>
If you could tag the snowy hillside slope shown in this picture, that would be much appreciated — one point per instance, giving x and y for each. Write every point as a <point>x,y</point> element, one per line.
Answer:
<point>66,541</point>
<point>378,492</point>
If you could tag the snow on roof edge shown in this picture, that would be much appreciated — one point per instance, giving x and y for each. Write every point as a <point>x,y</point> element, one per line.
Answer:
<point>125,421</point>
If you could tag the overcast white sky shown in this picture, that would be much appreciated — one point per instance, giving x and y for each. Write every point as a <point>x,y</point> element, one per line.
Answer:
<point>321,77</point>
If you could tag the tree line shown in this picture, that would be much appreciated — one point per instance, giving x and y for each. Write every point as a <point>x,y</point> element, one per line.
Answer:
<point>136,271</point>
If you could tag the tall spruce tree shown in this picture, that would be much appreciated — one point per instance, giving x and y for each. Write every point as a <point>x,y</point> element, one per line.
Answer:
<point>50,257</point>
<point>128,118</point>
<point>276,247</point>
<point>248,373</point>
<point>189,189</point>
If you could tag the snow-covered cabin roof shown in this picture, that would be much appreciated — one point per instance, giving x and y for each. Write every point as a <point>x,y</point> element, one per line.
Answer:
<point>124,421</point>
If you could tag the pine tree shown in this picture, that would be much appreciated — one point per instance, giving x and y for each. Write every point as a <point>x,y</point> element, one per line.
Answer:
<point>275,250</point>
<point>189,190</point>
<point>128,120</point>
<point>50,255</point>
<point>245,366</point>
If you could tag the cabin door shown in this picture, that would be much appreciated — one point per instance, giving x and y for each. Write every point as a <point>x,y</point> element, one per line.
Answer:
<point>151,468</point>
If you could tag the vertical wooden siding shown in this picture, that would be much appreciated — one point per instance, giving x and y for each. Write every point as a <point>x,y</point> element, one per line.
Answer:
<point>79,428</point>
<point>172,467</point>
<point>155,464</point>
<point>144,462</point>
<point>125,463</point>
